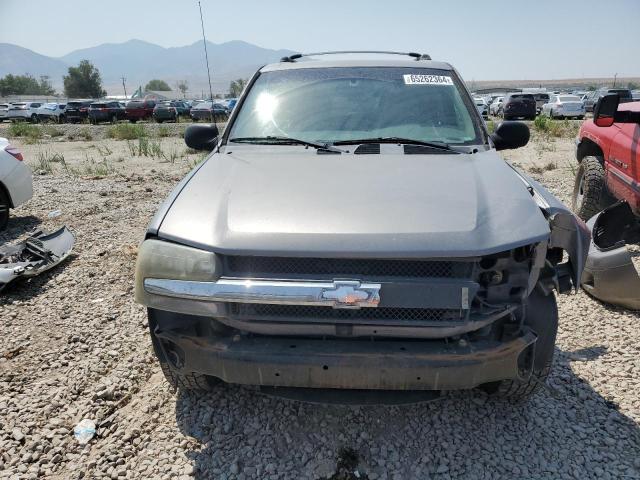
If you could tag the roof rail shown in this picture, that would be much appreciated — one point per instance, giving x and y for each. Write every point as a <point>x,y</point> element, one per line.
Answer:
<point>296,56</point>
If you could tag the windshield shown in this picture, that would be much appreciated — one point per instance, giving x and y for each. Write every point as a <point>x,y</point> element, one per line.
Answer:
<point>569,98</point>
<point>339,104</point>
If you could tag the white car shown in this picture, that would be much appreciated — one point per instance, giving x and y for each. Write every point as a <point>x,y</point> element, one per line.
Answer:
<point>481,105</point>
<point>51,111</point>
<point>16,181</point>
<point>24,111</point>
<point>4,109</point>
<point>496,105</point>
<point>561,106</point>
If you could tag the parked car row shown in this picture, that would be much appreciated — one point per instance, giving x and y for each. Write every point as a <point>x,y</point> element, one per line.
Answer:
<point>96,111</point>
<point>553,104</point>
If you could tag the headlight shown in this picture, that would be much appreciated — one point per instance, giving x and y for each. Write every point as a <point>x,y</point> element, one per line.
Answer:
<point>159,259</point>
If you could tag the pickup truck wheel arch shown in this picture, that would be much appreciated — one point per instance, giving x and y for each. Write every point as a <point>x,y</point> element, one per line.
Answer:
<point>588,147</point>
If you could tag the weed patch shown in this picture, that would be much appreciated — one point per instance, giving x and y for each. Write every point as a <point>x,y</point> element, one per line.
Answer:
<point>31,133</point>
<point>126,131</point>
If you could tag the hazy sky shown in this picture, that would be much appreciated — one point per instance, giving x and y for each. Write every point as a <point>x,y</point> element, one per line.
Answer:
<point>497,39</point>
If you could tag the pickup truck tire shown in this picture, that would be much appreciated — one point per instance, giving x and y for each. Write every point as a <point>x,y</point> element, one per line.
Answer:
<point>542,318</point>
<point>590,193</point>
<point>4,210</point>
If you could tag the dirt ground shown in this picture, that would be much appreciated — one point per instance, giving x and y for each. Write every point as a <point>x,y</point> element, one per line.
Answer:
<point>75,345</point>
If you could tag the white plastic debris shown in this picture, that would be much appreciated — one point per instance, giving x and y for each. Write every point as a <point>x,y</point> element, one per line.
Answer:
<point>54,213</point>
<point>84,431</point>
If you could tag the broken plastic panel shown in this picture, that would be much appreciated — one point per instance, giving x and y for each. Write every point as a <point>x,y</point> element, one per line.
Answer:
<point>37,254</point>
<point>609,274</point>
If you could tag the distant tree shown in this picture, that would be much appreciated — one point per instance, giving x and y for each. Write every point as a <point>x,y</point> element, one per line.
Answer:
<point>158,85</point>
<point>633,86</point>
<point>83,81</point>
<point>45,86</point>
<point>25,85</point>
<point>592,88</point>
<point>236,87</point>
<point>183,86</point>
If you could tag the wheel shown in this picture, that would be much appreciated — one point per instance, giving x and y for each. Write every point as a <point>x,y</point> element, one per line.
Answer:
<point>133,120</point>
<point>113,119</point>
<point>590,193</point>
<point>159,120</point>
<point>4,210</point>
<point>34,118</point>
<point>61,119</point>
<point>542,317</point>
<point>580,117</point>
<point>181,381</point>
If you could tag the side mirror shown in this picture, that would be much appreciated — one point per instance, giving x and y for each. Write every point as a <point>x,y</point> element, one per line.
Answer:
<point>508,135</point>
<point>201,137</point>
<point>605,110</point>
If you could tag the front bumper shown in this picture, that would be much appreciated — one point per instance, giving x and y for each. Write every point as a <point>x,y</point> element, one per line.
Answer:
<point>347,363</point>
<point>609,273</point>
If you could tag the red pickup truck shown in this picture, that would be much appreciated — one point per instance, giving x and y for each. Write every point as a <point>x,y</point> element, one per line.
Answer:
<point>608,149</point>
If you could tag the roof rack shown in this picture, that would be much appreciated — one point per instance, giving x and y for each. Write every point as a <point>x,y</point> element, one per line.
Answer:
<point>296,56</point>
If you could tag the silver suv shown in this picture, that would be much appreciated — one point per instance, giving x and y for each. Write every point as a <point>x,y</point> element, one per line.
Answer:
<point>355,228</point>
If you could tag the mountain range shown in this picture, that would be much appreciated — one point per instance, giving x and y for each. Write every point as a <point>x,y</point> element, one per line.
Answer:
<point>139,61</point>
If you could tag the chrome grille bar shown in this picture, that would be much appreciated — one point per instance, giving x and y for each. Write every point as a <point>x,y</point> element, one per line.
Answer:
<point>337,294</point>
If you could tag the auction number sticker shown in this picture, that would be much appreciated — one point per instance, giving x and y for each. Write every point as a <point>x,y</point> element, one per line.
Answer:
<point>414,79</point>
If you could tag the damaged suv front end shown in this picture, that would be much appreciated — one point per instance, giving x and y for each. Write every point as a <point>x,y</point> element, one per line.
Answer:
<point>379,263</point>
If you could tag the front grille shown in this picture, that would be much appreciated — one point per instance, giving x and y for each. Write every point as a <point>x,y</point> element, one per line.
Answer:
<point>285,267</point>
<point>295,312</point>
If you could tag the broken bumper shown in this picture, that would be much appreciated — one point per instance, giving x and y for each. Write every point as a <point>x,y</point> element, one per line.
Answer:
<point>39,253</point>
<point>348,363</point>
<point>609,273</point>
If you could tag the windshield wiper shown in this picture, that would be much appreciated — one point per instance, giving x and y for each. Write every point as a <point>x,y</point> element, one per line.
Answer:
<point>405,141</point>
<point>273,140</point>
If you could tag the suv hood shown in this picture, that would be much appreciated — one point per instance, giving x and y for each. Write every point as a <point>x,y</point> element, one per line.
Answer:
<point>293,201</point>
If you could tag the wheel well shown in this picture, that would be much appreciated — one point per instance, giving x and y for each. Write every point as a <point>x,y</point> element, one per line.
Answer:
<point>5,193</point>
<point>589,147</point>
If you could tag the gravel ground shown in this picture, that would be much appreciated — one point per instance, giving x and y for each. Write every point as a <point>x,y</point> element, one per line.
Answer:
<point>75,345</point>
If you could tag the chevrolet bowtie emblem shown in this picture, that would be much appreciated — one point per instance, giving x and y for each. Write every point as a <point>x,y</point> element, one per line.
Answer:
<point>352,294</point>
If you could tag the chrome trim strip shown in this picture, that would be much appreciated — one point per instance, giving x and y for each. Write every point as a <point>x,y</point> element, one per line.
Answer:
<point>337,294</point>
<point>630,182</point>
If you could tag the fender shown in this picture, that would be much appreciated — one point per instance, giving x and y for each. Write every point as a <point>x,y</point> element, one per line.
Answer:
<point>568,232</point>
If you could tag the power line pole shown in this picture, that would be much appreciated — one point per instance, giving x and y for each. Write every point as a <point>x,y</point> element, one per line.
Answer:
<point>124,86</point>
<point>206,55</point>
<point>615,76</point>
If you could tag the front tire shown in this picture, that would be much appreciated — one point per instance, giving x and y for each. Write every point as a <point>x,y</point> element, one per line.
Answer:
<point>190,381</point>
<point>590,194</point>
<point>4,210</point>
<point>542,318</point>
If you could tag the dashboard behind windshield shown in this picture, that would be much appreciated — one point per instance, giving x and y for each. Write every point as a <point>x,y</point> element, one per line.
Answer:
<point>345,103</point>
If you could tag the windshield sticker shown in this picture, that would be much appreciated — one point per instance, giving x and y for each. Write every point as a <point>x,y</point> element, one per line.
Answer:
<point>414,79</point>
